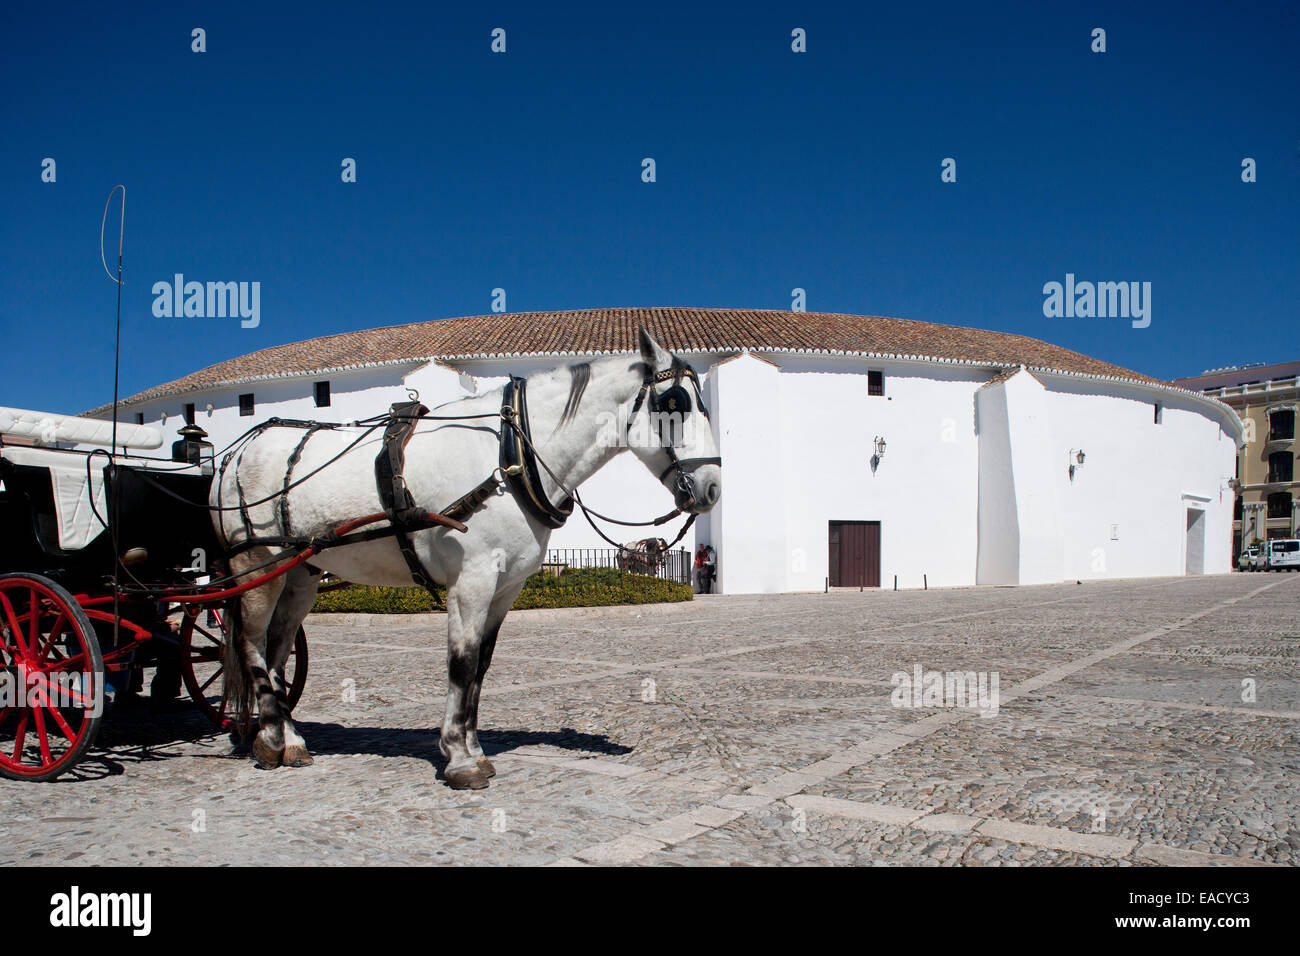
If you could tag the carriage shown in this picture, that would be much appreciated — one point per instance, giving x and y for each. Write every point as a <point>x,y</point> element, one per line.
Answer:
<point>80,629</point>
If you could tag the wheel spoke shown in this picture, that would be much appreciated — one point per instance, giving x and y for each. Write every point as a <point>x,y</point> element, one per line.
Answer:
<point>208,683</point>
<point>34,634</point>
<point>56,689</point>
<point>62,724</point>
<point>54,634</point>
<point>41,736</point>
<point>215,641</point>
<point>20,736</point>
<point>15,629</point>
<point>70,664</point>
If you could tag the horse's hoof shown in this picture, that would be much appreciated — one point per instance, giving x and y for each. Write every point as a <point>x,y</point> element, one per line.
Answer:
<point>296,756</point>
<point>466,778</point>
<point>485,765</point>
<point>267,757</point>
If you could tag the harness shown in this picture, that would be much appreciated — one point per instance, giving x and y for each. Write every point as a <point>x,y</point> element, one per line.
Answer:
<point>518,470</point>
<point>520,463</point>
<point>403,514</point>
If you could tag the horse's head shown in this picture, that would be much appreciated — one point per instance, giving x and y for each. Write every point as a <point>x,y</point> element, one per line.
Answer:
<point>669,429</point>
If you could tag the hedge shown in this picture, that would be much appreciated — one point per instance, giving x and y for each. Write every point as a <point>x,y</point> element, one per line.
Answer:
<point>574,587</point>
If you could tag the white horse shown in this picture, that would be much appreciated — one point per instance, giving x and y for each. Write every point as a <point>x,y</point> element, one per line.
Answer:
<point>579,416</point>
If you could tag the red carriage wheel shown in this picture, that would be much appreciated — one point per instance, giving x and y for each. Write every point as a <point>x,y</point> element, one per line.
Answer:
<point>52,682</point>
<point>203,646</point>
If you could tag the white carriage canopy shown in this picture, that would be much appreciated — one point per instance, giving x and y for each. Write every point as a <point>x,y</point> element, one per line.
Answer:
<point>74,485</point>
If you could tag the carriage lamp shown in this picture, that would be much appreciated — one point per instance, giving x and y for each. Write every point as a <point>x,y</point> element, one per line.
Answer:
<point>1076,461</point>
<point>879,445</point>
<point>192,448</point>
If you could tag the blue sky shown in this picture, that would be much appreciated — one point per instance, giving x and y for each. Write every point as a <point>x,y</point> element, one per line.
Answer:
<point>523,170</point>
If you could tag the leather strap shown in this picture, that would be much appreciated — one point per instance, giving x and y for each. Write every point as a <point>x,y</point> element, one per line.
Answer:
<point>398,503</point>
<point>519,463</point>
<point>288,478</point>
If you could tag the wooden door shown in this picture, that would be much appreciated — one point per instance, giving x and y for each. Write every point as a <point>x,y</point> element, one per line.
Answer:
<point>854,554</point>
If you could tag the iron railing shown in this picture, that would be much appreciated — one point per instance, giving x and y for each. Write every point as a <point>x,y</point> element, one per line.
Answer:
<point>669,565</point>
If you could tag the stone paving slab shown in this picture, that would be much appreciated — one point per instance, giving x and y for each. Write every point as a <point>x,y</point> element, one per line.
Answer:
<point>1213,783</point>
<point>1117,699</point>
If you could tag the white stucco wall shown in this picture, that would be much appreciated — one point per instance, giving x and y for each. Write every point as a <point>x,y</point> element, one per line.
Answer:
<point>998,522</point>
<point>797,445</point>
<point>1138,476</point>
<point>1037,507</point>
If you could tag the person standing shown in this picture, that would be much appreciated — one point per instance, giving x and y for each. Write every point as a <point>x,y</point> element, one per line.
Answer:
<point>710,568</point>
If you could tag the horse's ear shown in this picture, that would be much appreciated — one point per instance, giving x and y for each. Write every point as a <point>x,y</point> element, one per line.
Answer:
<point>649,348</point>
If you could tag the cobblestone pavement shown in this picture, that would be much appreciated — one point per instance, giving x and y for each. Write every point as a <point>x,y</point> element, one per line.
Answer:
<point>747,730</point>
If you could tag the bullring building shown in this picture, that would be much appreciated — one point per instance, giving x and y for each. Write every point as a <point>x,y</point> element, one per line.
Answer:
<point>857,450</point>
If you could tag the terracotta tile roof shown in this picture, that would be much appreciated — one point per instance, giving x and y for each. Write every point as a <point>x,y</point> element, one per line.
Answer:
<point>614,330</point>
<point>1003,376</point>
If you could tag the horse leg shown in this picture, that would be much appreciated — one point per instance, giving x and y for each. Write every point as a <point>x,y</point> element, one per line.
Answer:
<point>468,605</point>
<point>247,675</point>
<point>501,605</point>
<point>295,602</point>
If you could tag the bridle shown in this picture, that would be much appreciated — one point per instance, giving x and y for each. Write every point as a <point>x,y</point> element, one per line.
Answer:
<point>672,401</point>
<point>520,460</point>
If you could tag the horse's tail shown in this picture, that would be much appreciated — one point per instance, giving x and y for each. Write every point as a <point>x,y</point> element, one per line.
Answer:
<point>237,689</point>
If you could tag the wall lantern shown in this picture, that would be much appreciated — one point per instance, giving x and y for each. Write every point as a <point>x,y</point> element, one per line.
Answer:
<point>879,445</point>
<point>1076,461</point>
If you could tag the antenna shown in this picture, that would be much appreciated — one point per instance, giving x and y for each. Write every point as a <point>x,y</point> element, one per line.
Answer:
<point>114,516</point>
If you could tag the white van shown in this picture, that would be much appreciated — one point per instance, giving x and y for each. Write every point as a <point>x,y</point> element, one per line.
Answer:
<point>1284,554</point>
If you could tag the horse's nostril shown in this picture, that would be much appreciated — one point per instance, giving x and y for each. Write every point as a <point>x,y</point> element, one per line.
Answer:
<point>713,492</point>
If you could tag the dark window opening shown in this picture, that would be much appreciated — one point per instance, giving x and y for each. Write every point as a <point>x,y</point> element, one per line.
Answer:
<point>1279,505</point>
<point>1281,425</point>
<point>139,418</point>
<point>875,383</point>
<point>1281,466</point>
<point>322,394</point>
<point>1160,413</point>
<point>246,404</point>
<point>189,413</point>
<point>1237,509</point>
